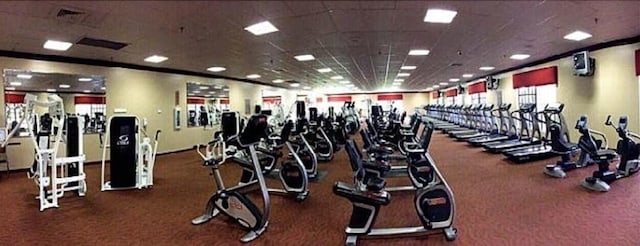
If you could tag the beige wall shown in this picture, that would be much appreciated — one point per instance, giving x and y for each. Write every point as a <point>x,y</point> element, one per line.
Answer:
<point>145,94</point>
<point>613,90</point>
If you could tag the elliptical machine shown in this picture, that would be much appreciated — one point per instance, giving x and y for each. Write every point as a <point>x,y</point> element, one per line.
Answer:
<point>232,201</point>
<point>560,145</point>
<point>319,139</point>
<point>627,151</point>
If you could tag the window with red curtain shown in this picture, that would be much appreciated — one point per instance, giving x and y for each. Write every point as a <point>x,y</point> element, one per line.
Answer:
<point>13,98</point>
<point>271,100</point>
<point>538,77</point>
<point>452,93</point>
<point>224,101</point>
<point>389,97</point>
<point>339,98</point>
<point>193,100</point>
<point>477,87</point>
<point>89,100</point>
<point>435,94</point>
<point>637,62</point>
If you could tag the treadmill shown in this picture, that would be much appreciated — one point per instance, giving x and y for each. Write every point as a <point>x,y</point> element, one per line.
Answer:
<point>464,119</point>
<point>552,115</point>
<point>473,123</point>
<point>507,130</point>
<point>529,129</point>
<point>486,125</point>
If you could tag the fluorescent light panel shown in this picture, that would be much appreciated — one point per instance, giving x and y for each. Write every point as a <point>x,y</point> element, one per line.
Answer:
<point>467,75</point>
<point>419,52</point>
<point>520,56</point>
<point>261,28</point>
<point>487,68</point>
<point>253,76</point>
<point>15,83</point>
<point>204,87</point>
<point>440,16</point>
<point>454,80</point>
<point>304,57</point>
<point>84,79</point>
<point>403,74</point>
<point>64,86</point>
<point>307,87</point>
<point>397,83</point>
<point>408,67</point>
<point>324,70</point>
<point>338,77</point>
<point>9,88</point>
<point>398,80</point>
<point>51,90</point>
<point>57,45</point>
<point>277,81</point>
<point>86,91</point>
<point>294,84</point>
<point>156,59</point>
<point>216,69</point>
<point>24,76</point>
<point>577,36</point>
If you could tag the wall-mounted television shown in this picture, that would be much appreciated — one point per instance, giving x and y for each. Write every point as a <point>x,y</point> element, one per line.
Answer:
<point>583,65</point>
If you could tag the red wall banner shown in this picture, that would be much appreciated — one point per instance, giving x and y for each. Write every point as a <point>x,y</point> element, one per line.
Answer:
<point>195,101</point>
<point>478,87</point>
<point>435,95</point>
<point>224,101</point>
<point>389,97</point>
<point>271,100</point>
<point>452,93</point>
<point>13,98</point>
<point>542,76</point>
<point>89,100</point>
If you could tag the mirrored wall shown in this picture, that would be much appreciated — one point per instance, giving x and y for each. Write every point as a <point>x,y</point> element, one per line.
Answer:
<point>205,103</point>
<point>82,94</point>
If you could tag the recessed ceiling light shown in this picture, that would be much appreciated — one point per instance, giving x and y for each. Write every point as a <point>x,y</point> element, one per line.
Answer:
<point>217,87</point>
<point>467,75</point>
<point>440,16</point>
<point>24,76</point>
<point>350,85</point>
<point>429,89</point>
<point>304,57</point>
<point>454,80</point>
<point>15,83</point>
<point>225,89</point>
<point>408,67</point>
<point>345,82</point>
<point>324,70</point>
<point>57,45</point>
<point>486,68</point>
<point>444,83</point>
<point>436,86</point>
<point>338,77</point>
<point>51,90</point>
<point>64,86</point>
<point>398,80</point>
<point>403,74</point>
<point>84,79</point>
<point>261,28</point>
<point>86,91</point>
<point>191,94</point>
<point>212,92</point>
<point>294,84</point>
<point>253,76</point>
<point>277,81</point>
<point>577,36</point>
<point>9,88</point>
<point>203,87</point>
<point>156,59</point>
<point>216,69</point>
<point>196,91</point>
<point>307,87</point>
<point>103,88</point>
<point>419,52</point>
<point>396,83</point>
<point>519,56</point>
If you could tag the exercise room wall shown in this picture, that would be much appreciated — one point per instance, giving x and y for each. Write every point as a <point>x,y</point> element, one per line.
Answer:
<point>613,89</point>
<point>146,94</point>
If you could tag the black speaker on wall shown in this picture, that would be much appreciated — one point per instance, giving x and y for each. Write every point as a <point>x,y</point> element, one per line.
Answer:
<point>492,83</point>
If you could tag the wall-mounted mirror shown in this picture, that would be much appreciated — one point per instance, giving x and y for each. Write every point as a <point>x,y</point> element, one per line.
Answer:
<point>83,95</point>
<point>205,104</point>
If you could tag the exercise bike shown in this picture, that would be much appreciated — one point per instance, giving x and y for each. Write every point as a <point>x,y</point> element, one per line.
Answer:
<point>560,145</point>
<point>435,205</point>
<point>232,201</point>
<point>627,152</point>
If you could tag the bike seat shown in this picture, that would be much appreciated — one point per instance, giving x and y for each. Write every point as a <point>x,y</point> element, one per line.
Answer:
<point>350,192</point>
<point>605,154</point>
<point>376,184</point>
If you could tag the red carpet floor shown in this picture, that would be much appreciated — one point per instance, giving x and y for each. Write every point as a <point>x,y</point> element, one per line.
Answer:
<point>498,203</point>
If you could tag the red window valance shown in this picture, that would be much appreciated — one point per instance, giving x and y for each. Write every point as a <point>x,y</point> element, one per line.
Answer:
<point>542,76</point>
<point>478,87</point>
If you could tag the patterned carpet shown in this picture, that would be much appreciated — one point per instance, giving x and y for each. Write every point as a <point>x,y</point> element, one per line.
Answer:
<point>498,203</point>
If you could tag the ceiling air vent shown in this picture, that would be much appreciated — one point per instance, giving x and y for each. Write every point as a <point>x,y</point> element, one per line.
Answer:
<point>66,12</point>
<point>102,43</point>
<point>455,64</point>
